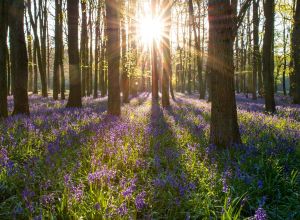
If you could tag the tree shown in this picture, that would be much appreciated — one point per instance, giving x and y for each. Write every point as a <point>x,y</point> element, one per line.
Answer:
<point>97,49</point>
<point>74,69</point>
<point>58,51</point>
<point>113,56</point>
<point>255,47</point>
<point>19,61</point>
<point>154,58</point>
<point>84,49</point>
<point>223,24</point>
<point>268,56</point>
<point>125,77</point>
<point>296,54</point>
<point>167,66</point>
<point>42,69</point>
<point>3,45</point>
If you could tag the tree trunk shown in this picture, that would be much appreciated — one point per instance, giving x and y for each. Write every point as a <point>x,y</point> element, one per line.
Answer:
<point>8,67</point>
<point>56,68</point>
<point>224,130</point>
<point>18,56</point>
<point>167,62</point>
<point>38,52</point>
<point>84,49</point>
<point>154,59</point>
<point>90,69</point>
<point>35,71</point>
<point>125,77</point>
<point>74,69</point>
<point>284,57</point>
<point>296,54</point>
<point>97,50</point>
<point>255,47</point>
<point>198,51</point>
<point>268,56</point>
<point>3,45</point>
<point>62,55</point>
<point>113,55</point>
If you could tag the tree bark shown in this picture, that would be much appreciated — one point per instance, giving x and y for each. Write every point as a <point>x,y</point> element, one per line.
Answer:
<point>97,50</point>
<point>154,59</point>
<point>296,54</point>
<point>268,56</point>
<point>198,51</point>
<point>125,77</point>
<point>74,69</point>
<point>18,56</point>
<point>90,69</point>
<point>38,52</point>
<point>224,130</point>
<point>255,47</point>
<point>84,49</point>
<point>167,66</point>
<point>113,55</point>
<point>56,68</point>
<point>3,60</point>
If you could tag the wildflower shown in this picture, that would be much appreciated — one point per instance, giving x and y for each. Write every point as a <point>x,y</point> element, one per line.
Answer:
<point>77,192</point>
<point>260,184</point>
<point>97,206</point>
<point>67,180</point>
<point>140,200</point>
<point>260,214</point>
<point>3,157</point>
<point>262,201</point>
<point>122,210</point>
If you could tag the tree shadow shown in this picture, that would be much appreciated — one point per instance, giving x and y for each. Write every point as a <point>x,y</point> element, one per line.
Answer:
<point>166,172</point>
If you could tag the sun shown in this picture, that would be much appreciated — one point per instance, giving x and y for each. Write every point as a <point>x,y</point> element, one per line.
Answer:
<point>150,29</point>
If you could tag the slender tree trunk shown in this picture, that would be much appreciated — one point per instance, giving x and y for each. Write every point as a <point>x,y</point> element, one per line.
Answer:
<point>35,71</point>
<point>167,66</point>
<point>30,61</point>
<point>74,69</point>
<point>57,51</point>
<point>224,130</point>
<point>189,74</point>
<point>62,71</point>
<point>8,68</point>
<point>84,49</point>
<point>38,52</point>
<point>198,51</point>
<point>62,55</point>
<point>90,69</point>
<point>296,54</point>
<point>97,50</point>
<point>3,72</point>
<point>154,59</point>
<point>125,77</point>
<point>268,56</point>
<point>255,47</point>
<point>19,56</point>
<point>284,57</point>
<point>113,54</point>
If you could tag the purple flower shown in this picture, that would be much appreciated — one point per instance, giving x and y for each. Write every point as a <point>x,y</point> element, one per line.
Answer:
<point>262,201</point>
<point>140,200</point>
<point>260,184</point>
<point>78,192</point>
<point>97,206</point>
<point>67,180</point>
<point>27,194</point>
<point>260,214</point>
<point>122,210</point>
<point>3,157</point>
<point>225,185</point>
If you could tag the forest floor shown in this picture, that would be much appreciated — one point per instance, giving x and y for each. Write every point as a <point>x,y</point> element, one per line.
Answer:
<point>151,163</point>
